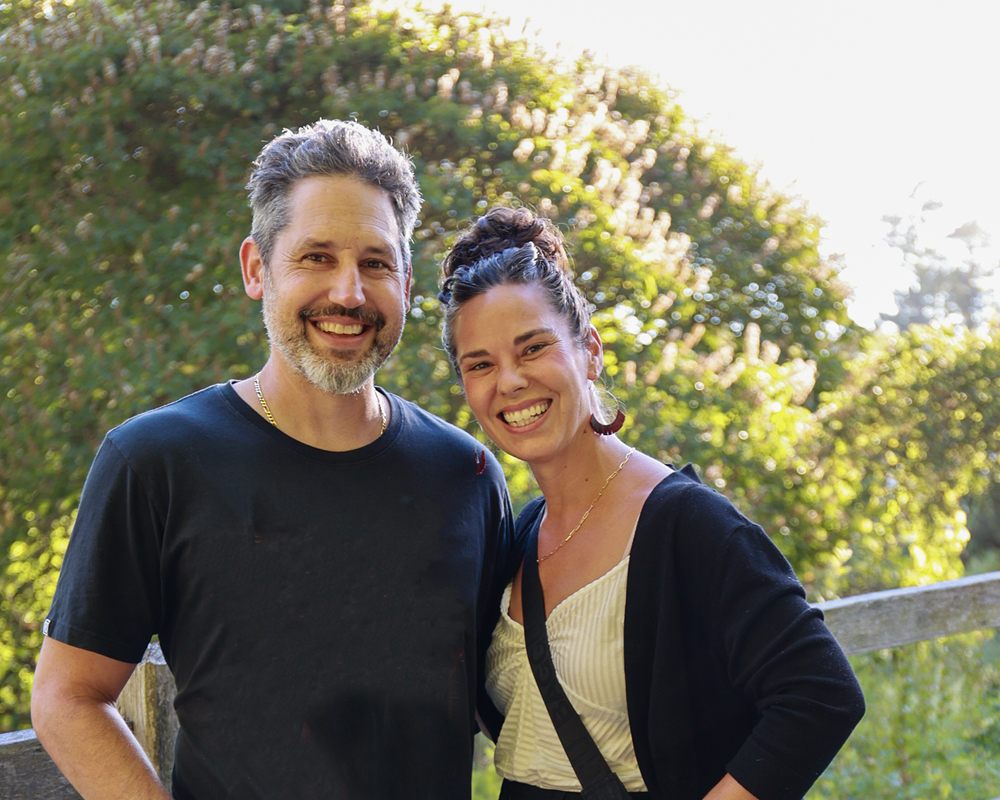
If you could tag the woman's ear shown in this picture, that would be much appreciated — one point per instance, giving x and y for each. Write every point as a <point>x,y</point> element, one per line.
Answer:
<point>595,354</point>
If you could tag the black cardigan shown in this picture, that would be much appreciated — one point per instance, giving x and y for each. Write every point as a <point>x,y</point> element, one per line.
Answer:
<point>727,668</point>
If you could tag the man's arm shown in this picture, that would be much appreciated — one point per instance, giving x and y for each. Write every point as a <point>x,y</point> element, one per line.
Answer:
<point>74,716</point>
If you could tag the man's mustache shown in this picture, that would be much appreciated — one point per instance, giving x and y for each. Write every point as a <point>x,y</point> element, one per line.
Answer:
<point>362,314</point>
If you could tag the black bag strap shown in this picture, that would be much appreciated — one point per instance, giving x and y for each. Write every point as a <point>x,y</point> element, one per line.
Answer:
<point>593,772</point>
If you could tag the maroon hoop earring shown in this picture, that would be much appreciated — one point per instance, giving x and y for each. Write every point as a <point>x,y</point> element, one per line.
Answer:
<point>612,427</point>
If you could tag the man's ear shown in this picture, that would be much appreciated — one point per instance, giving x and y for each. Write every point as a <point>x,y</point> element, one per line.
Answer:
<point>595,354</point>
<point>253,269</point>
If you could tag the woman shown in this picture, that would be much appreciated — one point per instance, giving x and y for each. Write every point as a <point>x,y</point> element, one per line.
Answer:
<point>697,667</point>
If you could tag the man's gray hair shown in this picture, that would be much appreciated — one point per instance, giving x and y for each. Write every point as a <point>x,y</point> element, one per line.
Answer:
<point>329,147</point>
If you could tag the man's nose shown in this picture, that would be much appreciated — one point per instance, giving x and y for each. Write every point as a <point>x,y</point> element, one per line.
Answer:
<point>346,286</point>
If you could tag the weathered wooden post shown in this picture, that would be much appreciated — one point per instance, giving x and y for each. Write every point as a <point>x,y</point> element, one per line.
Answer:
<point>27,772</point>
<point>147,705</point>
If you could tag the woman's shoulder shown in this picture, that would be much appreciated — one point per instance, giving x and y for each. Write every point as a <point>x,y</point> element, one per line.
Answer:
<point>683,497</point>
<point>692,520</point>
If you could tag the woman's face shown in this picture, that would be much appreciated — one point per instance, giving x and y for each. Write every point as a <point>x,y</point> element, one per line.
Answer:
<point>526,378</point>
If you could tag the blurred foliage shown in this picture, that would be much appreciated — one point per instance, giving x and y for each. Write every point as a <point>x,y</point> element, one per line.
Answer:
<point>910,436</point>
<point>932,725</point>
<point>127,132</point>
<point>950,286</point>
<point>485,781</point>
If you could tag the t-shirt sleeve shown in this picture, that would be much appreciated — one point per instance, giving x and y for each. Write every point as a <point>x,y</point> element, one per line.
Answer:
<point>107,599</point>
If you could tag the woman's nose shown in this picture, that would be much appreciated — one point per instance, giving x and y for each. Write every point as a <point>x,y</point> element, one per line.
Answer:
<point>511,379</point>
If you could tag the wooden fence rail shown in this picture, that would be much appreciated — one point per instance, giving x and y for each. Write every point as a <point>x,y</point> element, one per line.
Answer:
<point>897,617</point>
<point>863,623</point>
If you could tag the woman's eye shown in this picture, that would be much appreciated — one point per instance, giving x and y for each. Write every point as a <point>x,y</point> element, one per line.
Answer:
<point>533,348</point>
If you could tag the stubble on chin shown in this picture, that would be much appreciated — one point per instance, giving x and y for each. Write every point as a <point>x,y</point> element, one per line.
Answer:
<point>333,371</point>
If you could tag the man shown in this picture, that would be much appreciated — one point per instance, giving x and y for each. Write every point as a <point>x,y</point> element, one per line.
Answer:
<point>321,561</point>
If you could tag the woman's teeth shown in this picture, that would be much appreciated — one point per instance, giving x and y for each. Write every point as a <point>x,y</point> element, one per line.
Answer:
<point>518,419</point>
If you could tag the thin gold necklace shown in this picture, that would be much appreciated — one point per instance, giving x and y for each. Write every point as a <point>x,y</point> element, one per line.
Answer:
<point>270,416</point>
<point>586,513</point>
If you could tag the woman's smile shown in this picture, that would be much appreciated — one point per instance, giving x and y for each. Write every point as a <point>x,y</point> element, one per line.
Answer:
<point>526,378</point>
<point>523,417</point>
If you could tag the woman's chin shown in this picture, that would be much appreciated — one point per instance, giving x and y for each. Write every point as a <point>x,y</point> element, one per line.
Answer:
<point>527,446</point>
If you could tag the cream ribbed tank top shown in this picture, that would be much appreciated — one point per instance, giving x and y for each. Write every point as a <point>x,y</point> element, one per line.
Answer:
<point>586,637</point>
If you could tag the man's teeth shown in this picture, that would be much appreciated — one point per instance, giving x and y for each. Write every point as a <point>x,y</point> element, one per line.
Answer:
<point>525,416</point>
<point>336,327</point>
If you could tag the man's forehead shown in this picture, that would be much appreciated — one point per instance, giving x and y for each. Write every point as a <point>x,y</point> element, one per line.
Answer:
<point>345,203</point>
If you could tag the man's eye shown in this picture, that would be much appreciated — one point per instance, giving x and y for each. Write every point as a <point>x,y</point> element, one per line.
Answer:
<point>374,263</point>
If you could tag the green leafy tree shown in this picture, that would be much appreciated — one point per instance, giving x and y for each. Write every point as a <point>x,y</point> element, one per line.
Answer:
<point>931,727</point>
<point>951,289</point>
<point>903,443</point>
<point>127,132</point>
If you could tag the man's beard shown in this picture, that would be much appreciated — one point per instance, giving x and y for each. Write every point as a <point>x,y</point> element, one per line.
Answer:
<point>333,371</point>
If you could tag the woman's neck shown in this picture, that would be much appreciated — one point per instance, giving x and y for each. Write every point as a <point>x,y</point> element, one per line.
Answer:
<point>571,480</point>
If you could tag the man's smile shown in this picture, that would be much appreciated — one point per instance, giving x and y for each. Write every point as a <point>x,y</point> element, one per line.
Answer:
<point>336,327</point>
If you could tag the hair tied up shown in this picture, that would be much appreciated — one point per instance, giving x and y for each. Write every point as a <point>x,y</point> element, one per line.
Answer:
<point>460,274</point>
<point>510,247</point>
<point>530,249</point>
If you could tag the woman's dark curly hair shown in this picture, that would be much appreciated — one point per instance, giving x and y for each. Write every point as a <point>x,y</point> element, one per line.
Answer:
<point>501,228</point>
<point>504,246</point>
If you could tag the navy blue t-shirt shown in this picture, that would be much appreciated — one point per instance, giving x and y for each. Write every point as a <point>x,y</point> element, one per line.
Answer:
<point>325,615</point>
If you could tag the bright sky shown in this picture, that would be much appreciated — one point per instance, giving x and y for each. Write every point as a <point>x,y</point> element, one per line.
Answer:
<point>851,104</point>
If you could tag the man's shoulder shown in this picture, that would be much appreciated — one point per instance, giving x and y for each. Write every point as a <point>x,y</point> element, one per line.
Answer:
<point>424,423</point>
<point>175,421</point>
<point>446,446</point>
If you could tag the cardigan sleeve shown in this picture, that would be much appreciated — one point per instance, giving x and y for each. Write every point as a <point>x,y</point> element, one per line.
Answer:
<point>727,667</point>
<point>781,655</point>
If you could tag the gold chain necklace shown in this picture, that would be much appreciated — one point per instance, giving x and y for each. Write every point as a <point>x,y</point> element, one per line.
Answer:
<point>586,513</point>
<point>270,416</point>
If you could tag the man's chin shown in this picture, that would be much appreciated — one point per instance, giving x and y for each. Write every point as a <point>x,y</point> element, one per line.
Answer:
<point>341,378</point>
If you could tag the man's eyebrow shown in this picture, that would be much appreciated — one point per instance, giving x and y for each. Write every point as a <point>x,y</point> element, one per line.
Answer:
<point>519,339</point>
<point>312,243</point>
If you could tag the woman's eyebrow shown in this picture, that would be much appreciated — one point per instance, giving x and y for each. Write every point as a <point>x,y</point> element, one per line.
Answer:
<point>531,334</point>
<point>519,339</point>
<point>474,354</point>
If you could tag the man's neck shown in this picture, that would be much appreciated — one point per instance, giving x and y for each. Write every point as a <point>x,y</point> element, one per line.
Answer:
<point>335,422</point>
